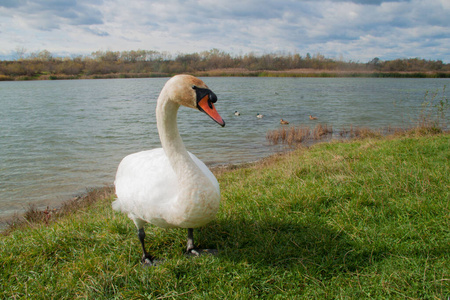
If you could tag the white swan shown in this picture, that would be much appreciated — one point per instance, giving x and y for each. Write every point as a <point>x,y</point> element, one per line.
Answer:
<point>170,187</point>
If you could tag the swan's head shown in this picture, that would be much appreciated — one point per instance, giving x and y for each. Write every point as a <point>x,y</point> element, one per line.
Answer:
<point>192,92</point>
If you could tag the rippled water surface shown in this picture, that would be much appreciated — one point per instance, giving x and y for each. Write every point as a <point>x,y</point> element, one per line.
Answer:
<point>60,137</point>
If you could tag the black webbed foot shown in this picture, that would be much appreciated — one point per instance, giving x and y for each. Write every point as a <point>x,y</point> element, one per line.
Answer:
<point>150,261</point>
<point>200,252</point>
<point>147,261</point>
<point>191,251</point>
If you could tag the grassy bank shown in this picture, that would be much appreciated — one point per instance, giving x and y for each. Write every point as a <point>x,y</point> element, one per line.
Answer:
<point>363,219</point>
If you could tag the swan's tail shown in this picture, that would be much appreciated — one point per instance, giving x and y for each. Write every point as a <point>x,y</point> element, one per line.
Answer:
<point>116,205</point>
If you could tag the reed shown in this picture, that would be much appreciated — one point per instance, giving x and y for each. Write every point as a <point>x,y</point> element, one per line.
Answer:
<point>320,130</point>
<point>432,116</point>
<point>295,135</point>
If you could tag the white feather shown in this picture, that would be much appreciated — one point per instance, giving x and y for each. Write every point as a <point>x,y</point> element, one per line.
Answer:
<point>168,187</point>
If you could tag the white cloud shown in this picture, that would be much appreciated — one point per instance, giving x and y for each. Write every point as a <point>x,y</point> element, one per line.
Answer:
<point>356,29</point>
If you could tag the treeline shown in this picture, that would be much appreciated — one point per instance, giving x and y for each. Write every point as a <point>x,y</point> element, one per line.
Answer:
<point>147,63</point>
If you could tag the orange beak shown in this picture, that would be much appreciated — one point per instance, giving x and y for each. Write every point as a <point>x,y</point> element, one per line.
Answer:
<point>206,106</point>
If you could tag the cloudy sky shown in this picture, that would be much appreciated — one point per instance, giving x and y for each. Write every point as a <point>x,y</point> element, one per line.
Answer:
<point>357,30</point>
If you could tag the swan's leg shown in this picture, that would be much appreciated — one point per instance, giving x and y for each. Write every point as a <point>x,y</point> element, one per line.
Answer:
<point>190,241</point>
<point>147,259</point>
<point>190,250</point>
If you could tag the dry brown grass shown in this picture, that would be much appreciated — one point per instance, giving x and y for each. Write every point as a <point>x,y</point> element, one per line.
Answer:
<point>320,130</point>
<point>288,135</point>
<point>295,135</point>
<point>35,215</point>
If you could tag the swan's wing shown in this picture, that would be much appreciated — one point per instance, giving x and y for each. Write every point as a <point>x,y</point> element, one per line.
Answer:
<point>145,183</point>
<point>205,171</point>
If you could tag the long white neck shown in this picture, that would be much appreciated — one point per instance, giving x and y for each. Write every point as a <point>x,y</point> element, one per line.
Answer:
<point>166,118</point>
<point>198,199</point>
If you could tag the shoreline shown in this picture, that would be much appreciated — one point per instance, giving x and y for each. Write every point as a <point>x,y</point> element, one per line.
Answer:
<point>43,213</point>
<point>36,215</point>
<point>239,72</point>
<point>46,209</point>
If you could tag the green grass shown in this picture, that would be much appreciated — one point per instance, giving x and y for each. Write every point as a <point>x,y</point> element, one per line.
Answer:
<point>362,219</point>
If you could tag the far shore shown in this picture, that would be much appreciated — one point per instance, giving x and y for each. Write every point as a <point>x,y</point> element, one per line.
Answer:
<point>239,72</point>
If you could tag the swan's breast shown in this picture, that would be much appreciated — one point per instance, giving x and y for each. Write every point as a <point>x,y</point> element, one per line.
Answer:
<point>148,189</point>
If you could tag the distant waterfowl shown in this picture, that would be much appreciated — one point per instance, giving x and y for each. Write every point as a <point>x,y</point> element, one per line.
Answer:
<point>236,113</point>
<point>170,187</point>
<point>258,115</point>
<point>284,122</point>
<point>312,118</point>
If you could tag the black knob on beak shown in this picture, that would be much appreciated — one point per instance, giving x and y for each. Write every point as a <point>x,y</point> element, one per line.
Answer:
<point>212,97</point>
